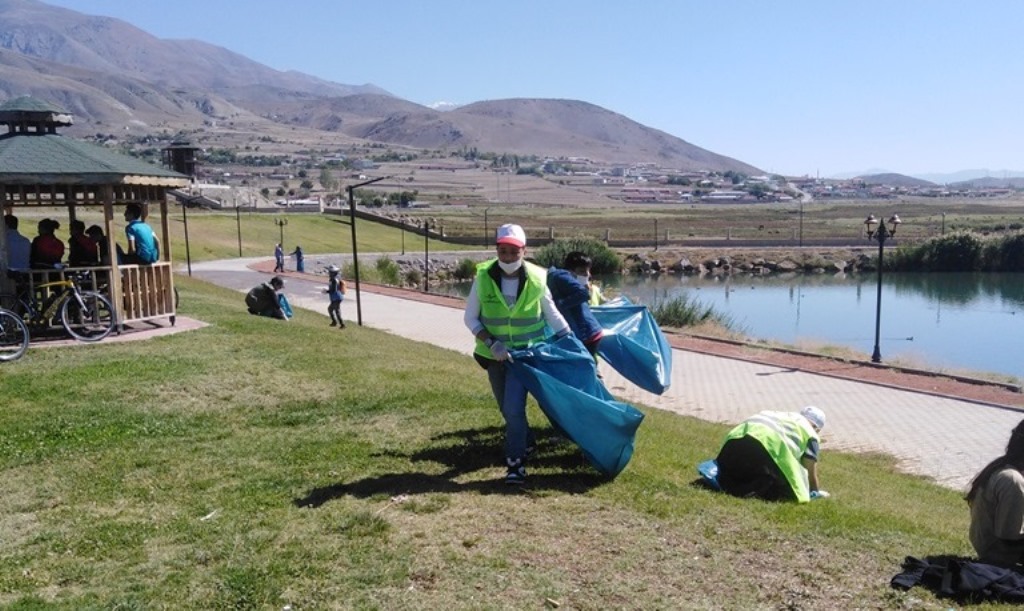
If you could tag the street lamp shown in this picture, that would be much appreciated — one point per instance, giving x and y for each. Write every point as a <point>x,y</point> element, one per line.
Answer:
<point>487,234</point>
<point>426,256</point>
<point>801,243</point>
<point>880,235</point>
<point>355,252</point>
<point>280,225</point>
<point>238,221</point>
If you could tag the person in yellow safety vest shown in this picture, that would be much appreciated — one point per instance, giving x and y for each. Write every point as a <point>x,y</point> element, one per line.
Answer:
<point>510,307</point>
<point>996,499</point>
<point>773,456</point>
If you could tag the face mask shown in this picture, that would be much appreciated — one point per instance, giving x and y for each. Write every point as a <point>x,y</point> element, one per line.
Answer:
<point>510,268</point>
<point>583,279</point>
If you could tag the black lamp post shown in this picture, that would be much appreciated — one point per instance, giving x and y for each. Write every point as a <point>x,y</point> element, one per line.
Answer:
<point>238,222</point>
<point>487,233</point>
<point>355,252</point>
<point>801,243</point>
<point>280,225</point>
<point>188,250</point>
<point>880,235</point>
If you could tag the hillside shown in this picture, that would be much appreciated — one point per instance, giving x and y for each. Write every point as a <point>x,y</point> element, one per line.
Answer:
<point>894,180</point>
<point>114,77</point>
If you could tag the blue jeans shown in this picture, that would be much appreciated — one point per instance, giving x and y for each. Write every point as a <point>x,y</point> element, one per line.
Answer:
<point>510,394</point>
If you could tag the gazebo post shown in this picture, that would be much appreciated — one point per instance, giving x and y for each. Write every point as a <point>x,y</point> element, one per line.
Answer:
<point>165,230</point>
<point>116,294</point>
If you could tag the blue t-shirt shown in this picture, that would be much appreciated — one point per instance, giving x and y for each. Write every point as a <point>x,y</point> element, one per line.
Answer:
<point>145,242</point>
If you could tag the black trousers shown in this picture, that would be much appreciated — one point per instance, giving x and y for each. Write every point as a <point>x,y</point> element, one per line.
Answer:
<point>745,469</point>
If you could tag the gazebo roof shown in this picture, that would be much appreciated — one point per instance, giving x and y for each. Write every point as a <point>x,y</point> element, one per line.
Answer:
<point>43,157</point>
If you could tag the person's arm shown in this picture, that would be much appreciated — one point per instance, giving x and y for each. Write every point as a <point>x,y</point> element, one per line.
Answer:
<point>552,316</point>
<point>812,472</point>
<point>471,317</point>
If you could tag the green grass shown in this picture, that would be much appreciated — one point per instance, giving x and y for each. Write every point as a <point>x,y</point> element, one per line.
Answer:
<point>258,464</point>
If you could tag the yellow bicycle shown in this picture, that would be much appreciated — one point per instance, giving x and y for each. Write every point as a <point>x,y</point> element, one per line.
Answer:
<point>87,316</point>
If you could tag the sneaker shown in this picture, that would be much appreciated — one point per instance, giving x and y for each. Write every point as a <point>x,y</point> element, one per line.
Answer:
<point>516,474</point>
<point>334,324</point>
<point>342,325</point>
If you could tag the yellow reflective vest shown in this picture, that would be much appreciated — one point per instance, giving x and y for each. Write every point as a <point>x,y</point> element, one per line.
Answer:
<point>519,325</point>
<point>785,435</point>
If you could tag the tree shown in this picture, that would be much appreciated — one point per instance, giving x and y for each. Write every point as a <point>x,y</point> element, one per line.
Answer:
<point>306,184</point>
<point>327,180</point>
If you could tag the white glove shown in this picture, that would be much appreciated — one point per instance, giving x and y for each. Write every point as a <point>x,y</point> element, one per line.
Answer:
<point>499,351</point>
<point>819,494</point>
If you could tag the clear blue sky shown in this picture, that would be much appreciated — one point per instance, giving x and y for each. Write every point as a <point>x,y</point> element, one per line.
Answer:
<point>795,87</point>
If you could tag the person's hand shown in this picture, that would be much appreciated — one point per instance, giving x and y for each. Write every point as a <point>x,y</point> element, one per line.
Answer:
<point>819,494</point>
<point>499,351</point>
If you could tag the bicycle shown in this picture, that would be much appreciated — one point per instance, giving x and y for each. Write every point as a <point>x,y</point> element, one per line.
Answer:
<point>87,316</point>
<point>13,336</point>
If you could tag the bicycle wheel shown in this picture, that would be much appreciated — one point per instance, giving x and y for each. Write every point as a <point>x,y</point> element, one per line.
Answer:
<point>13,336</point>
<point>91,323</point>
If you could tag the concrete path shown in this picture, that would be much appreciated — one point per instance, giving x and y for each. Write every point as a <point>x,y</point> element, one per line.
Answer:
<point>948,440</point>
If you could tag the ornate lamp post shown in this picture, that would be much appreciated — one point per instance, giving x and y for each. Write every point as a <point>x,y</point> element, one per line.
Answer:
<point>880,235</point>
<point>280,225</point>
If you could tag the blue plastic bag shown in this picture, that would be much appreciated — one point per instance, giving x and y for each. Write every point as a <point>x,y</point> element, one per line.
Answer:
<point>562,377</point>
<point>634,345</point>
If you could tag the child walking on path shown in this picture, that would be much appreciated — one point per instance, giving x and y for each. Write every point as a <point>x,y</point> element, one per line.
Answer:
<point>336,293</point>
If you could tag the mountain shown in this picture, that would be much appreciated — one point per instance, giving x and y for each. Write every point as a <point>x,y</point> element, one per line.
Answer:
<point>990,182</point>
<point>969,175</point>
<point>894,180</point>
<point>113,76</point>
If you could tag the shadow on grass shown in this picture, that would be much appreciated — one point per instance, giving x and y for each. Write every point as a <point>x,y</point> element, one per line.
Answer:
<point>556,465</point>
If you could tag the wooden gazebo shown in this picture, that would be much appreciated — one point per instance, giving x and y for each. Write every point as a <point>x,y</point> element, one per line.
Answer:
<point>41,169</point>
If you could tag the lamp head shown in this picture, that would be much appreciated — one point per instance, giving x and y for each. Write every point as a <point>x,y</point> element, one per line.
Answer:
<point>894,221</point>
<point>869,224</point>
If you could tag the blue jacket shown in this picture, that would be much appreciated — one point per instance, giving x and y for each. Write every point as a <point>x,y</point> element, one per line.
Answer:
<point>572,298</point>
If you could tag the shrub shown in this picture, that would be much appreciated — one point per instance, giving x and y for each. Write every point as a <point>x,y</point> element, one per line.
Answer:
<point>413,277</point>
<point>605,261</point>
<point>465,270</point>
<point>389,271</point>
<point>956,252</point>
<point>686,312</point>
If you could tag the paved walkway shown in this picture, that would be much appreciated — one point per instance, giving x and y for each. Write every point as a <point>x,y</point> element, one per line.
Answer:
<point>946,439</point>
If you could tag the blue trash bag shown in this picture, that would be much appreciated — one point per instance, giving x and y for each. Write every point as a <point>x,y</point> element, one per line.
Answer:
<point>285,306</point>
<point>634,345</point>
<point>709,473</point>
<point>563,379</point>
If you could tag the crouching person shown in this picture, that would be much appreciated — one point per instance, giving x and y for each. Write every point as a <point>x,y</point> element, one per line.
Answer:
<point>996,499</point>
<point>773,456</point>
<point>266,299</point>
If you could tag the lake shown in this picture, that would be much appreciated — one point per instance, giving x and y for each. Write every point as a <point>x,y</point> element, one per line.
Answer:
<point>948,321</point>
<point>960,321</point>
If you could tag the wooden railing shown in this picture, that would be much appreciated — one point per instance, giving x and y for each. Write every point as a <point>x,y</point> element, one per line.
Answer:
<point>148,292</point>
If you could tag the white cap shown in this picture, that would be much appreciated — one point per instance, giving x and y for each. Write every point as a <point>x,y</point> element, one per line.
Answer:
<point>511,234</point>
<point>815,416</point>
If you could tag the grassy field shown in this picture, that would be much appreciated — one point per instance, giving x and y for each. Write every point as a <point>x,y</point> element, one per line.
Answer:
<point>257,465</point>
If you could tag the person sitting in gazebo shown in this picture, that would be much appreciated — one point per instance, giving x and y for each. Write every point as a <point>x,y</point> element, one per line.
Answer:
<point>142,243</point>
<point>47,249</point>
